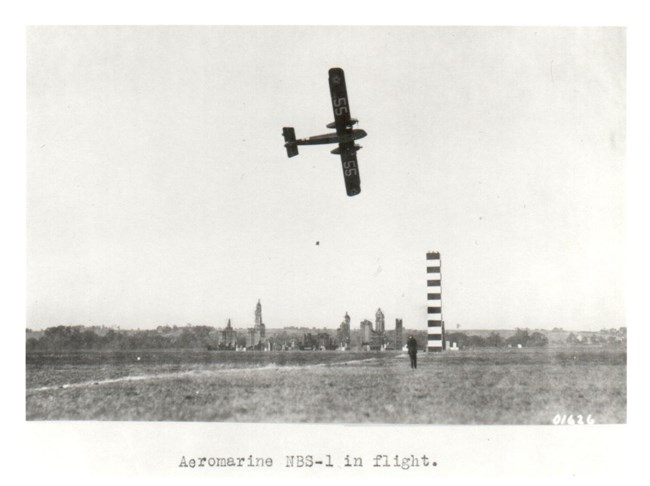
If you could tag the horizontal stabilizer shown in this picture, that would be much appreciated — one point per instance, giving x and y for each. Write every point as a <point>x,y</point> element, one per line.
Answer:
<point>289,135</point>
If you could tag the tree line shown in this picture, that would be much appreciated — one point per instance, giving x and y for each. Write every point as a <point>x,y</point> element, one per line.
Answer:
<point>206,337</point>
<point>80,338</point>
<point>521,337</point>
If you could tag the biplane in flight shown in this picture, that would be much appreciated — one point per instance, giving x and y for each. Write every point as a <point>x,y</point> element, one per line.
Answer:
<point>345,135</point>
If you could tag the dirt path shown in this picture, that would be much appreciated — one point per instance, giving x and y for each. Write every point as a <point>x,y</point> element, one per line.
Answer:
<point>197,373</point>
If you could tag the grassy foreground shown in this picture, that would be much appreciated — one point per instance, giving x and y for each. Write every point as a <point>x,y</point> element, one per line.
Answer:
<point>495,386</point>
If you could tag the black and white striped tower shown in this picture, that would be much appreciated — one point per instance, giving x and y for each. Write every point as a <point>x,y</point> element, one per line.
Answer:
<point>435,324</point>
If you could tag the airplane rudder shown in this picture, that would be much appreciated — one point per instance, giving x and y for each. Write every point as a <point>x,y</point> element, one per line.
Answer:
<point>289,134</point>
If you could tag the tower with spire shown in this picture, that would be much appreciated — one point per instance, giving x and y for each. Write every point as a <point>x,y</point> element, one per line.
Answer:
<point>229,337</point>
<point>259,324</point>
<point>256,338</point>
<point>344,333</point>
<point>379,322</point>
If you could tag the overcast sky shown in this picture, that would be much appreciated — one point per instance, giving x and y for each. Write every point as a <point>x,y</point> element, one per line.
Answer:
<point>159,191</point>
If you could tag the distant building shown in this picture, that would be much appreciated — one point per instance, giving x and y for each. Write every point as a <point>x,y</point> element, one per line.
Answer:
<point>370,340</point>
<point>366,332</point>
<point>253,339</point>
<point>379,322</point>
<point>399,328</point>
<point>256,336</point>
<point>259,324</point>
<point>344,333</point>
<point>229,337</point>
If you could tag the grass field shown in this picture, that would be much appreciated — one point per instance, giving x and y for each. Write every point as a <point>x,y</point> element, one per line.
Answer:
<point>494,386</point>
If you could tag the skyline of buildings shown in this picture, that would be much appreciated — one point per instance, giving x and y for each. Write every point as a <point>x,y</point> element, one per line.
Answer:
<point>369,338</point>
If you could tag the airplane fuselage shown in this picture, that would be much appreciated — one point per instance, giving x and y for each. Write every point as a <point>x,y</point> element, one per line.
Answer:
<point>349,136</point>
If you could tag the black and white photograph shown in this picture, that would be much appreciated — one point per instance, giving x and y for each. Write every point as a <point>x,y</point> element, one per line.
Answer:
<point>335,227</point>
<point>208,241</point>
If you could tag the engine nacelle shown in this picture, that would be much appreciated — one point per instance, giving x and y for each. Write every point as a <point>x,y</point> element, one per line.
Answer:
<point>337,150</point>
<point>353,121</point>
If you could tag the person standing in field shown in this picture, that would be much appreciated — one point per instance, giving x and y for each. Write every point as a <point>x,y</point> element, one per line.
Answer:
<point>412,346</point>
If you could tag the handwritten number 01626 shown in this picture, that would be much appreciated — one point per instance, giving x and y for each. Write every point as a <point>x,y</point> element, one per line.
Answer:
<point>563,419</point>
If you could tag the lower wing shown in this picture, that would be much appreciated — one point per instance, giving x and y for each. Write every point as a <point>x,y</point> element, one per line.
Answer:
<point>348,153</point>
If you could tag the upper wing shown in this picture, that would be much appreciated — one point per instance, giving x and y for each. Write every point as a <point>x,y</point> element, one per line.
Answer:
<point>340,103</point>
<point>350,168</point>
<point>343,124</point>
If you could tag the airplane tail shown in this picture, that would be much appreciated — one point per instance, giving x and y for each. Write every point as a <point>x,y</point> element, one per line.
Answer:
<point>289,135</point>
